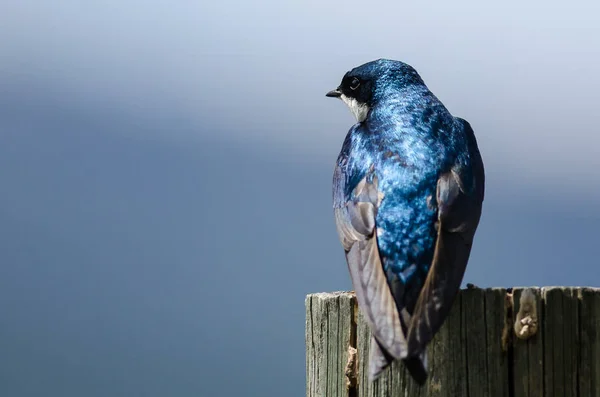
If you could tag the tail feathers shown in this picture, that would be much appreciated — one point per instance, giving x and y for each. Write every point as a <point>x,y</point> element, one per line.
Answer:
<point>417,366</point>
<point>379,360</point>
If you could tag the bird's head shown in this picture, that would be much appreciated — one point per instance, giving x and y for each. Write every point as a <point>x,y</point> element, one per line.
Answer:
<point>364,86</point>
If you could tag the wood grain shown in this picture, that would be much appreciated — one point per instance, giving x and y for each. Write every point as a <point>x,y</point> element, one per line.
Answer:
<point>466,357</point>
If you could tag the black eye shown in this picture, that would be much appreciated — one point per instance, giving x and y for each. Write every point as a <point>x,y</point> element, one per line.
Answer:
<point>354,83</point>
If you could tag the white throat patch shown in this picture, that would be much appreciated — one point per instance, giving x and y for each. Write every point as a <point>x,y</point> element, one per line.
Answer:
<point>359,110</point>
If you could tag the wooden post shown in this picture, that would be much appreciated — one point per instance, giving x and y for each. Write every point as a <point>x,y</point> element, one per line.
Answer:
<point>534,342</point>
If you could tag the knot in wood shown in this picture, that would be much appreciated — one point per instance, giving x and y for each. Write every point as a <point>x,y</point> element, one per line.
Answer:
<point>526,323</point>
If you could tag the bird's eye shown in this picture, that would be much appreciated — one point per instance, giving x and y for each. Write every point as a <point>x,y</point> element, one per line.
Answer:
<point>354,83</point>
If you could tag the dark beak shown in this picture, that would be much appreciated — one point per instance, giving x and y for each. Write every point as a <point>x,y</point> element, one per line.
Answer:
<point>334,94</point>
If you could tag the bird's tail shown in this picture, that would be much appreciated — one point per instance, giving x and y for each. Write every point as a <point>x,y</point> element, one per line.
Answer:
<point>379,360</point>
<point>417,366</point>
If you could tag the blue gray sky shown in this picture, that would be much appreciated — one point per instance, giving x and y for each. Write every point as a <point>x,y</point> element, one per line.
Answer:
<point>165,175</point>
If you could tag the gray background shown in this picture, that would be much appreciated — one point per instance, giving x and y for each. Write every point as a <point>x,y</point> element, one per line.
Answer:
<point>165,175</point>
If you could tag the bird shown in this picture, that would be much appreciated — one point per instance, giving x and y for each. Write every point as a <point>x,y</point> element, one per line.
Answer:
<point>408,191</point>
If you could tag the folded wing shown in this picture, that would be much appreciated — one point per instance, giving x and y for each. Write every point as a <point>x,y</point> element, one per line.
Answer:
<point>460,194</point>
<point>355,220</point>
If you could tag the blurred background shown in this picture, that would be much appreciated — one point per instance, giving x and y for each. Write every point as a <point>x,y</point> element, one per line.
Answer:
<point>165,175</point>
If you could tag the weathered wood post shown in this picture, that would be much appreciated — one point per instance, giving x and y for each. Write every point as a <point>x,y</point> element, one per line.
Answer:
<point>498,343</point>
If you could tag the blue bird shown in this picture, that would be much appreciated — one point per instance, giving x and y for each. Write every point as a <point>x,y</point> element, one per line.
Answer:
<point>408,190</point>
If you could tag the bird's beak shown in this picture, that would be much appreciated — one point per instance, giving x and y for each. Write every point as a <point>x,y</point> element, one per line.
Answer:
<point>334,93</point>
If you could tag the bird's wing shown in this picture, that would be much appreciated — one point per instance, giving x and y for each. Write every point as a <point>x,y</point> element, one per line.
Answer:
<point>355,221</point>
<point>460,195</point>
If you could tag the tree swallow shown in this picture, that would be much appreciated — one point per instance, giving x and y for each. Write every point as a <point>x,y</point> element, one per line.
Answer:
<point>408,190</point>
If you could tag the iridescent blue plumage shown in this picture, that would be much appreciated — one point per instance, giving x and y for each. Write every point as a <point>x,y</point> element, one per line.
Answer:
<point>408,188</point>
